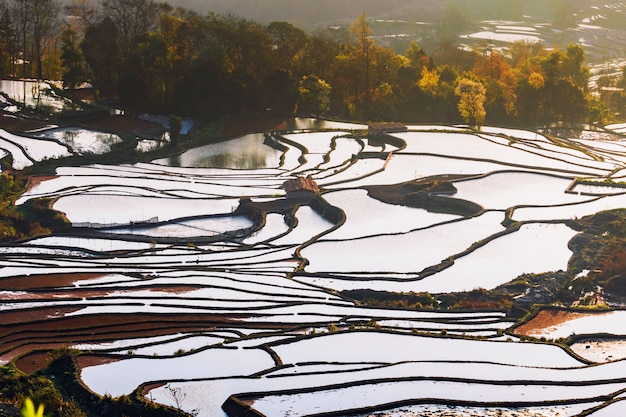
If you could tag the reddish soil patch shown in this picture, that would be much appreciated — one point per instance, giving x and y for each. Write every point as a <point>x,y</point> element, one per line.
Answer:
<point>19,125</point>
<point>84,361</point>
<point>35,329</point>
<point>24,316</point>
<point>171,289</point>
<point>34,281</point>
<point>31,358</point>
<point>110,326</point>
<point>35,180</point>
<point>149,387</point>
<point>40,360</point>
<point>76,293</point>
<point>33,362</point>
<point>544,319</point>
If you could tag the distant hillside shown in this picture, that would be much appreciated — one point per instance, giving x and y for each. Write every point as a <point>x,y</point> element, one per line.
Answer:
<point>307,14</point>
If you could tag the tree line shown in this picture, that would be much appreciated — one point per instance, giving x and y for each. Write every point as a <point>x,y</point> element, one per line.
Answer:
<point>153,57</point>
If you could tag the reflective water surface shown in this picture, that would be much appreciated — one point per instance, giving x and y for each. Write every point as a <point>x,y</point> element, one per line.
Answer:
<point>231,276</point>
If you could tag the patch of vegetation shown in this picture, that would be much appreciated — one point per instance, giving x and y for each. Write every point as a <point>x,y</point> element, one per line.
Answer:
<point>600,249</point>
<point>478,299</point>
<point>595,278</point>
<point>15,388</point>
<point>33,218</point>
<point>58,390</point>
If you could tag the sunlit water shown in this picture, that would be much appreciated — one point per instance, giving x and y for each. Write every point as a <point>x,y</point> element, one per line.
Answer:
<point>166,241</point>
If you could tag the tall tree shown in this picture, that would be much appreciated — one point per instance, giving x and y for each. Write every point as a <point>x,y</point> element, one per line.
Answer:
<point>23,25</point>
<point>72,59</point>
<point>102,55</point>
<point>417,56</point>
<point>7,40</point>
<point>143,87</point>
<point>524,52</point>
<point>44,15</point>
<point>429,81</point>
<point>133,19</point>
<point>280,92</point>
<point>314,95</point>
<point>362,52</point>
<point>472,96</point>
<point>319,55</point>
<point>247,49</point>
<point>500,85</point>
<point>574,68</point>
<point>288,42</point>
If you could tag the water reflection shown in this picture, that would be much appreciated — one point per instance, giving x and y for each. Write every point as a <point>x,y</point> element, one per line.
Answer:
<point>83,141</point>
<point>32,93</point>
<point>310,123</point>
<point>246,152</point>
<point>257,290</point>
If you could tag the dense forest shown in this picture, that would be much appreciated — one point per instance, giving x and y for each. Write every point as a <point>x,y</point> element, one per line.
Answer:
<point>152,57</point>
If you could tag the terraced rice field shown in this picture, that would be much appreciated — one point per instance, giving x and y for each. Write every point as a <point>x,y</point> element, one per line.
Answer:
<point>206,281</point>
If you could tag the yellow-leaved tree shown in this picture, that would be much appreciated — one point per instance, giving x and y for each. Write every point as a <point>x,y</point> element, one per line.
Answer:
<point>429,83</point>
<point>472,96</point>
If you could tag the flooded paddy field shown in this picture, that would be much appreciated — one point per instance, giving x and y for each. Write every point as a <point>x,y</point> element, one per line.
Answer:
<point>217,275</point>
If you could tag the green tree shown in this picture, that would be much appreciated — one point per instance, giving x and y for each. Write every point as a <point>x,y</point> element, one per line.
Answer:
<point>432,99</point>
<point>599,113</point>
<point>288,43</point>
<point>72,59</point>
<point>247,53</point>
<point>319,54</point>
<point>417,56</point>
<point>523,53</point>
<point>143,87</point>
<point>8,188</point>
<point>133,19</point>
<point>314,95</point>
<point>384,102</point>
<point>280,92</point>
<point>204,91</point>
<point>568,102</point>
<point>472,96</point>
<point>102,55</point>
<point>565,86</point>
<point>574,68</point>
